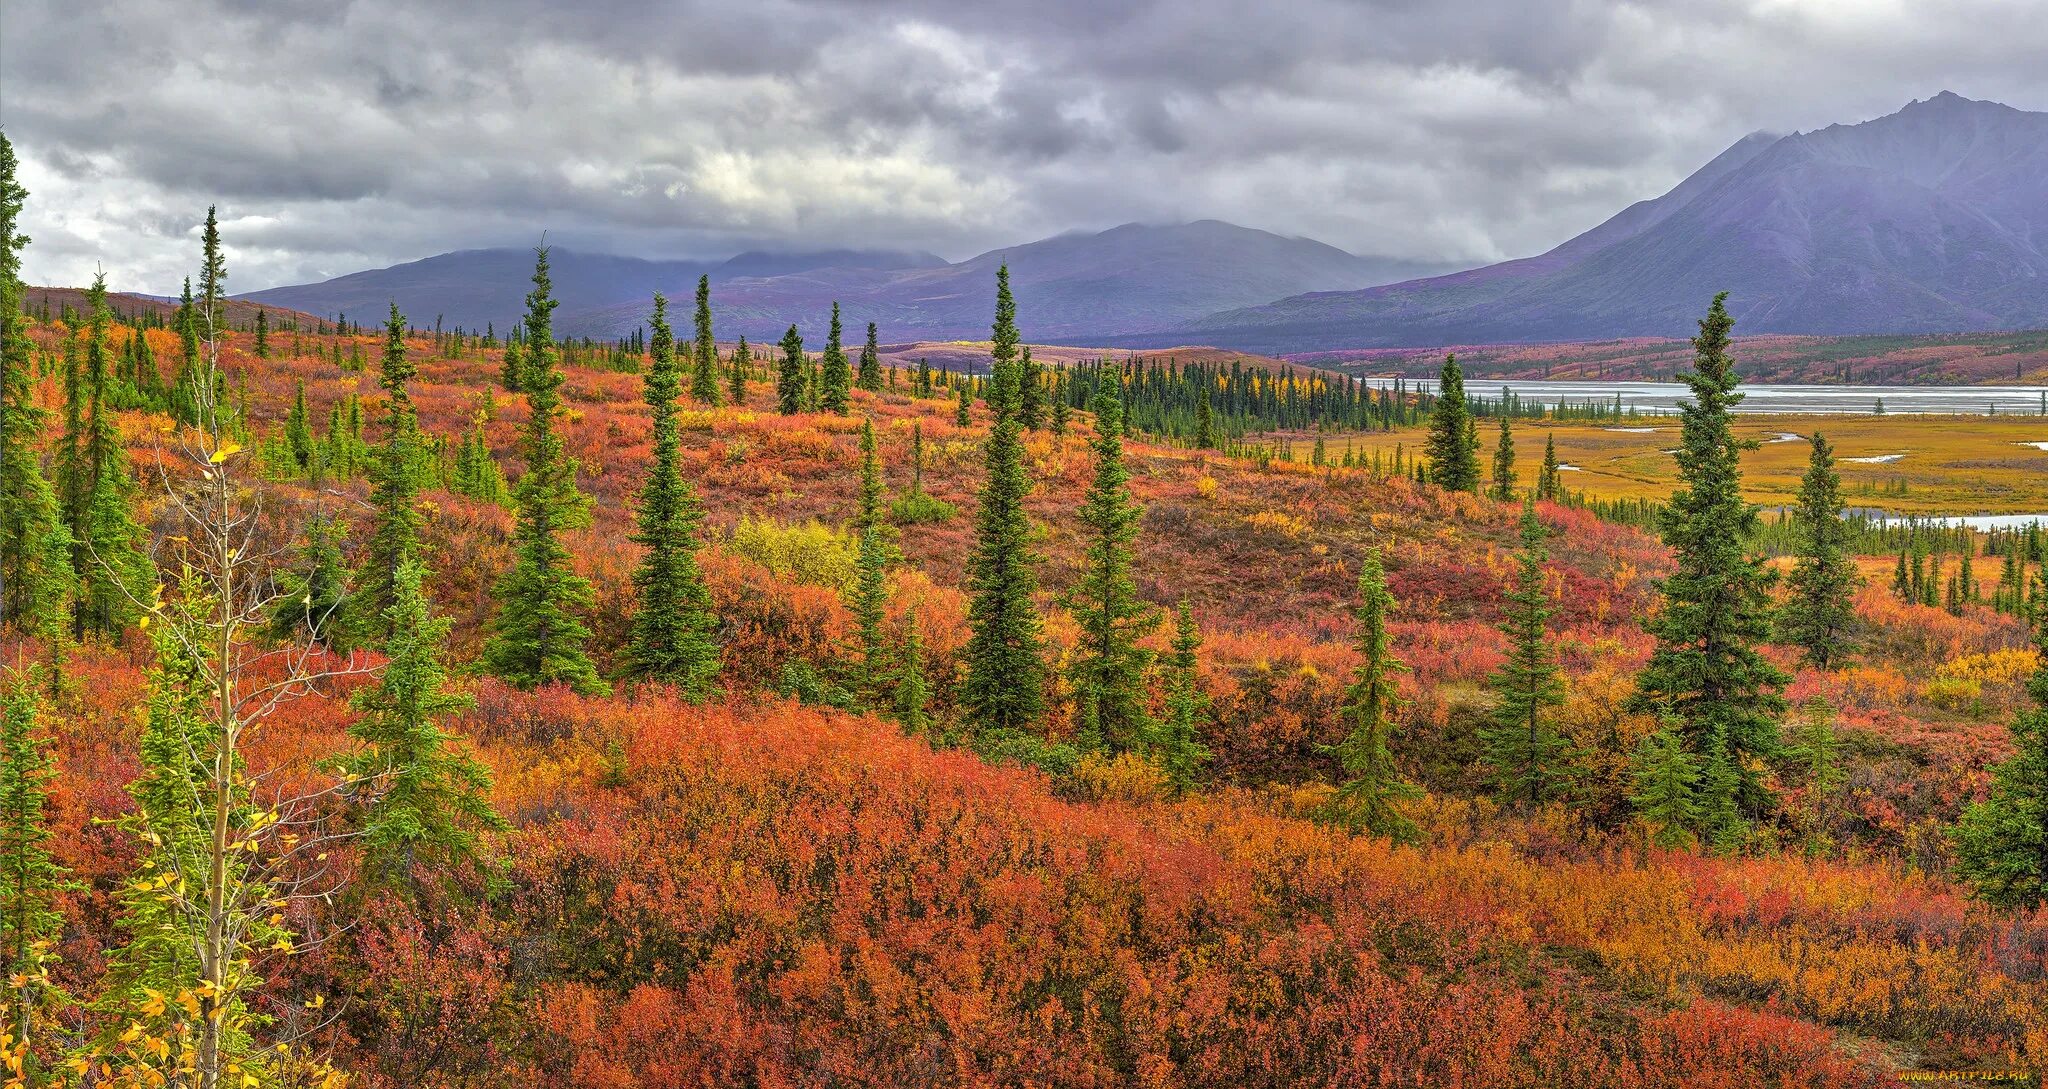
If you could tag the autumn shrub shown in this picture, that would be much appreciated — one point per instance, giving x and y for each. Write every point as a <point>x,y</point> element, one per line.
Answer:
<point>810,553</point>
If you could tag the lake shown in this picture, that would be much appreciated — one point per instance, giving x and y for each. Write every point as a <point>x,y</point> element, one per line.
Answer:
<point>1663,397</point>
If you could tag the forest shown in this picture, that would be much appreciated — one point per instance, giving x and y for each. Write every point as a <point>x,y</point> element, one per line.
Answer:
<point>384,705</point>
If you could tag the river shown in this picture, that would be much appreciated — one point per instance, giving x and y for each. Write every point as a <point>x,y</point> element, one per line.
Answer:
<point>1663,397</point>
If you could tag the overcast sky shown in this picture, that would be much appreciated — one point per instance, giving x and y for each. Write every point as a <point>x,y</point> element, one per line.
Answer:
<point>337,136</point>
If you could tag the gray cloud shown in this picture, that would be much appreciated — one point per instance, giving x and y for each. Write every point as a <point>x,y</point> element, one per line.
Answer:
<point>337,135</point>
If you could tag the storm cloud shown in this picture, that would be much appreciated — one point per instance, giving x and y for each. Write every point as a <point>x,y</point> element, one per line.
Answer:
<point>336,135</point>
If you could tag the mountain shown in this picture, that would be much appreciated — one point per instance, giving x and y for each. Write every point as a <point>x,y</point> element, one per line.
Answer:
<point>1072,288</point>
<point>473,288</point>
<point>1933,219</point>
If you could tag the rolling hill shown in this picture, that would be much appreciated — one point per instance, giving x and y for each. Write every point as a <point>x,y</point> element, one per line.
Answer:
<point>1933,219</point>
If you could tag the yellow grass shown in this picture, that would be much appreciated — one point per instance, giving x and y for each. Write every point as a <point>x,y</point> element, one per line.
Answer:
<point>1952,464</point>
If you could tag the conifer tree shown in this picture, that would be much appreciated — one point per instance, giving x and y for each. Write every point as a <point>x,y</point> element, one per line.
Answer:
<point>834,376</point>
<point>868,594</point>
<point>961,416</point>
<point>789,380</point>
<point>1062,413</point>
<point>476,471</point>
<point>511,369</point>
<point>912,696</point>
<point>1819,616</point>
<point>537,637</point>
<point>1546,479</point>
<point>673,621</point>
<point>1705,672</point>
<point>1667,781</point>
<point>298,431</point>
<point>736,377</point>
<point>111,568</point>
<point>1453,455</point>
<point>1504,464</point>
<point>1030,393</point>
<point>1004,692</point>
<point>2001,842</point>
<point>30,879</point>
<point>395,519</point>
<point>262,344</point>
<point>1372,784</point>
<point>1109,666</point>
<point>35,542</point>
<point>316,595</point>
<point>429,800</point>
<point>1180,749</point>
<point>1205,422</point>
<point>870,375</point>
<point>1523,746</point>
<point>704,350</point>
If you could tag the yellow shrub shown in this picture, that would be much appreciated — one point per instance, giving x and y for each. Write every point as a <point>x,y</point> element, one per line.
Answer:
<point>1273,521</point>
<point>811,553</point>
<point>1126,778</point>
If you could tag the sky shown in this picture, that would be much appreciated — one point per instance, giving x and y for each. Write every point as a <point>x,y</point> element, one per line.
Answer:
<point>338,135</point>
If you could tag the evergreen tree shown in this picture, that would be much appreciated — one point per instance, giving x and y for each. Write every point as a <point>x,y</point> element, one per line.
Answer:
<point>35,542</point>
<point>673,622</point>
<point>870,376</point>
<point>298,432</point>
<point>1030,393</point>
<point>911,693</point>
<point>834,377</point>
<point>1706,672</point>
<point>1180,749</point>
<point>1372,784</point>
<point>1109,666</point>
<point>510,374</point>
<point>30,879</point>
<point>1504,464</point>
<point>2001,842</point>
<point>868,595</point>
<point>961,416</point>
<point>1523,746</point>
<point>112,569</point>
<point>1453,455</point>
<point>736,378</point>
<point>1004,692</point>
<point>1546,479</point>
<point>262,333</point>
<point>1818,616</point>
<point>476,471</point>
<point>395,471</point>
<point>538,638</point>
<point>429,800</point>
<point>789,380</point>
<point>1667,781</point>
<point>315,597</point>
<point>704,350</point>
<point>1062,413</point>
<point>1205,422</point>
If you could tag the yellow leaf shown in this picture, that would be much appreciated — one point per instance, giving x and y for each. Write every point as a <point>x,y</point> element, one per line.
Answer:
<point>226,451</point>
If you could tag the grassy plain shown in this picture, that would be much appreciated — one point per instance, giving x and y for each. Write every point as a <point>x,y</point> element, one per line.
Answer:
<point>1946,464</point>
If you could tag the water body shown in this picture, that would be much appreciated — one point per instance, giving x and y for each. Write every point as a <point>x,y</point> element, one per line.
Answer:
<point>1663,397</point>
<point>1979,522</point>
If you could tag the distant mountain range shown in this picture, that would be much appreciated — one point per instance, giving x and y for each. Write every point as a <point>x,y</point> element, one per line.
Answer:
<point>1930,220</point>
<point>1081,285</point>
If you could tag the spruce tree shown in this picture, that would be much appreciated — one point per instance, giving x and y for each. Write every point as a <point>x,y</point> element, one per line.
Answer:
<point>1546,478</point>
<point>1523,746</point>
<point>912,696</point>
<point>429,800</point>
<point>1004,692</point>
<point>736,377</point>
<point>834,376</point>
<point>298,432</point>
<point>1504,464</point>
<point>1667,781</point>
<point>476,470</point>
<point>2001,842</point>
<point>673,622</point>
<point>511,369</point>
<point>1109,666</point>
<point>1205,422</point>
<point>395,520</point>
<point>315,596</point>
<point>1818,616</point>
<point>868,593</point>
<point>961,416</point>
<point>537,637</point>
<point>1030,393</point>
<point>35,542</point>
<point>1705,672</point>
<point>1366,799</point>
<point>262,344</point>
<point>1453,456</point>
<point>789,378</point>
<point>1180,749</point>
<point>112,569</point>
<point>30,879</point>
<point>704,350</point>
<point>870,375</point>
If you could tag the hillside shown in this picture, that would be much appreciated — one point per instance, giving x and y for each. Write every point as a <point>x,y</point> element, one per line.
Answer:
<point>1946,359</point>
<point>772,887</point>
<point>1928,220</point>
<point>1070,287</point>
